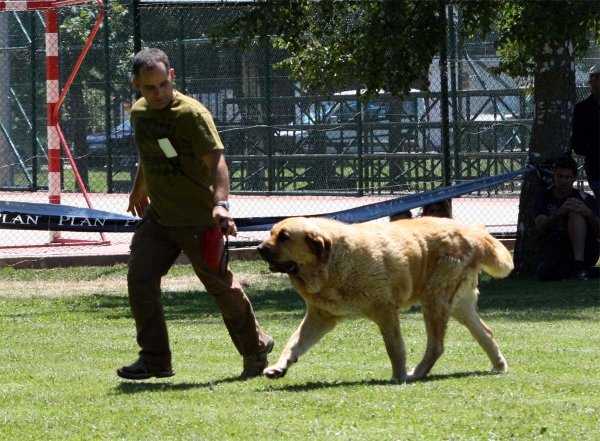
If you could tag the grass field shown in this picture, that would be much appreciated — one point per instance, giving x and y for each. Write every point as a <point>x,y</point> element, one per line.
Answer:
<point>65,331</point>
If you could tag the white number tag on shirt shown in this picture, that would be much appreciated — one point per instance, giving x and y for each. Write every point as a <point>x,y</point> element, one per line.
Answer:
<point>167,148</point>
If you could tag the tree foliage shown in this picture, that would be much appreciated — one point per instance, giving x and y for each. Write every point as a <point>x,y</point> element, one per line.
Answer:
<point>75,30</point>
<point>389,44</point>
<point>527,29</point>
<point>386,44</point>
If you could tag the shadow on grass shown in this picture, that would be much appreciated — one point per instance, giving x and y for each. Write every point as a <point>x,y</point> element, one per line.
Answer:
<point>515,298</point>
<point>540,300</point>
<point>520,299</point>
<point>134,387</point>
<point>316,385</point>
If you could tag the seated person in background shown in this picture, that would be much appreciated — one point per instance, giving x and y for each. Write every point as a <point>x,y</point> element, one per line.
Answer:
<point>438,209</point>
<point>400,215</point>
<point>568,221</point>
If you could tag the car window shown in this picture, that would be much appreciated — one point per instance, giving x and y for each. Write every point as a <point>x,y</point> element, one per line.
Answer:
<point>123,130</point>
<point>342,111</point>
<point>376,111</point>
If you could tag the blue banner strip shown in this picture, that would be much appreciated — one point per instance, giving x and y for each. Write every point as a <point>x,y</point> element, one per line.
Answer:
<point>31,216</point>
<point>380,209</point>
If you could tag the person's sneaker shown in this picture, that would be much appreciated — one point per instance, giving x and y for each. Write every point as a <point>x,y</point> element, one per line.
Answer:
<point>141,370</point>
<point>593,272</point>
<point>255,364</point>
<point>586,273</point>
<point>579,274</point>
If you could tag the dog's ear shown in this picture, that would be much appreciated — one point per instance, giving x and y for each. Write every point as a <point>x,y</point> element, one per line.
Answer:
<point>319,245</point>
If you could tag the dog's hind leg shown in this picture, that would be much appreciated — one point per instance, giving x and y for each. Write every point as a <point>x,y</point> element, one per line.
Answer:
<point>389,326</point>
<point>436,315</point>
<point>464,310</point>
<point>314,326</point>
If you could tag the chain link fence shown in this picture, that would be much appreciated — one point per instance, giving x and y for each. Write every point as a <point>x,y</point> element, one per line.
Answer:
<point>290,152</point>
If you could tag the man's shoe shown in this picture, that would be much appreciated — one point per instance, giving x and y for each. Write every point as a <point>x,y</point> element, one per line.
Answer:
<point>593,272</point>
<point>141,370</point>
<point>255,364</point>
<point>586,273</point>
<point>580,274</point>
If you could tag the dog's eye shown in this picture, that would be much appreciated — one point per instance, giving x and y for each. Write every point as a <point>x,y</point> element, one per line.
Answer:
<point>283,236</point>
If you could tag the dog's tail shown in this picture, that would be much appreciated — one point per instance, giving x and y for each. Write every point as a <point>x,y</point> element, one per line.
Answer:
<point>497,261</point>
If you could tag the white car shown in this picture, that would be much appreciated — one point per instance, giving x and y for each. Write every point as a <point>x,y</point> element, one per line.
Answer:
<point>331,126</point>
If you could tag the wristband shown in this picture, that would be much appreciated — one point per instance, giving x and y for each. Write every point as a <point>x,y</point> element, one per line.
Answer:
<point>224,204</point>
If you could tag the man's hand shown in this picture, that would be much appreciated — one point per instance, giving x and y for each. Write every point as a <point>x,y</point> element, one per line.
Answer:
<point>224,221</point>
<point>575,205</point>
<point>138,202</point>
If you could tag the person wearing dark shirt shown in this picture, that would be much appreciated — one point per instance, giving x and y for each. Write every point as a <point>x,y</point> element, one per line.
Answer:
<point>585,140</point>
<point>568,221</point>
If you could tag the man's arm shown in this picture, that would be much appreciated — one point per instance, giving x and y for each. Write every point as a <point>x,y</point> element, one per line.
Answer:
<point>138,198</point>
<point>547,224</point>
<point>217,167</point>
<point>591,219</point>
<point>593,224</point>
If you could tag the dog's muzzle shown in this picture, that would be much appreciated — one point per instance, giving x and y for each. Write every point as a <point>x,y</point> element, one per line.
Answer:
<point>289,267</point>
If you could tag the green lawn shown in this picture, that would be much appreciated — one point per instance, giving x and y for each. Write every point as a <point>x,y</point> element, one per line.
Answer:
<point>122,181</point>
<point>65,331</point>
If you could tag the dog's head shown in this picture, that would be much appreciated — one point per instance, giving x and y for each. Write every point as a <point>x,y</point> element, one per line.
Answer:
<point>297,246</point>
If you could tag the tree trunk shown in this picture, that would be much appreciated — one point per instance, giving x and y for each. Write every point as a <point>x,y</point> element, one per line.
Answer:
<point>554,98</point>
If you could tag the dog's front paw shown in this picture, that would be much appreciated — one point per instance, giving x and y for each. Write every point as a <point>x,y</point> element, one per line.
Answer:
<point>412,375</point>
<point>501,366</point>
<point>273,372</point>
<point>398,380</point>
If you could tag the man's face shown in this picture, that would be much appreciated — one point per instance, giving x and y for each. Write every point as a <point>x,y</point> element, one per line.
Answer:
<point>564,178</point>
<point>156,85</point>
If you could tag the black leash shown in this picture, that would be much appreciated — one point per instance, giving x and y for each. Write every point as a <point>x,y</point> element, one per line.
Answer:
<point>224,261</point>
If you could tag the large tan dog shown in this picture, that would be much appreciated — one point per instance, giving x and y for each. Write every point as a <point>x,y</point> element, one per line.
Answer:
<point>373,270</point>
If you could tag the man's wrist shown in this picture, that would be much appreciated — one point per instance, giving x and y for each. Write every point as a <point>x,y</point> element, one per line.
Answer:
<point>224,204</point>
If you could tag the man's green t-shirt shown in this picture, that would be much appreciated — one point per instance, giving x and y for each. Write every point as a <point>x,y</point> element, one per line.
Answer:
<point>180,188</point>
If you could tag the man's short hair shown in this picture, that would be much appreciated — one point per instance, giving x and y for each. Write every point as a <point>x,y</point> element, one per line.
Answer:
<point>566,162</point>
<point>148,59</point>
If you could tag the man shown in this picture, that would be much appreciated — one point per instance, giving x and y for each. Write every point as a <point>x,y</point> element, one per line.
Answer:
<point>568,220</point>
<point>585,140</point>
<point>181,192</point>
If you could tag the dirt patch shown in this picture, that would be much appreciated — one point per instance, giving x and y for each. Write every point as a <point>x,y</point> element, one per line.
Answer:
<point>111,285</point>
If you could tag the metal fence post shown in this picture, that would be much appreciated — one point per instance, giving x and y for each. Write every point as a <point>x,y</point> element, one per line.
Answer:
<point>34,144</point>
<point>107,102</point>
<point>137,28</point>
<point>455,114</point>
<point>444,100</point>
<point>180,38</point>
<point>268,119</point>
<point>359,138</point>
